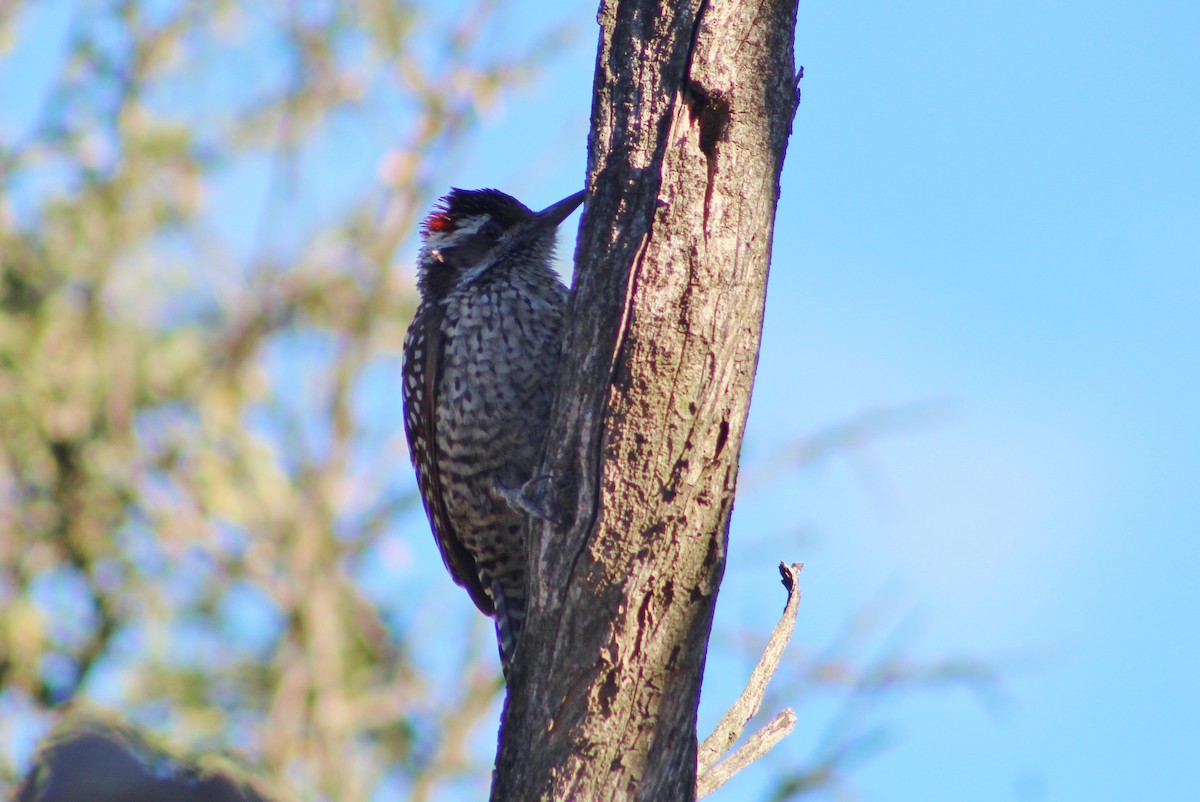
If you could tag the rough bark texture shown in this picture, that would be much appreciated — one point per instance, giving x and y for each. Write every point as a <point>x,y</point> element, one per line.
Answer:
<point>692,108</point>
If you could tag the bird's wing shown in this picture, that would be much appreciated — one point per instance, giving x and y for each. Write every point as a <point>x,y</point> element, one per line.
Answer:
<point>422,376</point>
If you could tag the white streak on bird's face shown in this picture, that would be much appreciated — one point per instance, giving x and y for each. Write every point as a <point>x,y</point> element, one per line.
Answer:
<point>467,248</point>
<point>474,245</point>
<point>460,232</point>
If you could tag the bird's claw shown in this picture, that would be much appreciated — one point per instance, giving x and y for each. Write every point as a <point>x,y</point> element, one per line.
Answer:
<point>531,498</point>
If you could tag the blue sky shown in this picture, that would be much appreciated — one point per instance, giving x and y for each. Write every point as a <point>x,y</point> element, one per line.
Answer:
<point>998,204</point>
<point>995,208</point>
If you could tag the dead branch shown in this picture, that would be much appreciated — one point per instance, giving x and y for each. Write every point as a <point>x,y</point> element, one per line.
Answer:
<point>733,723</point>
<point>755,747</point>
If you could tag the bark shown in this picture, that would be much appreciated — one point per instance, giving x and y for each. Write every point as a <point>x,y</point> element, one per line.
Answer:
<point>692,108</point>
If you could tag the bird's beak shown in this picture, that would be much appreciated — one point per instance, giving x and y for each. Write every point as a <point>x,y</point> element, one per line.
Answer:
<point>555,213</point>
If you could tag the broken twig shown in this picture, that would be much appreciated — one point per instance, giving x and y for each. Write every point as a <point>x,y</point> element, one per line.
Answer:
<point>731,726</point>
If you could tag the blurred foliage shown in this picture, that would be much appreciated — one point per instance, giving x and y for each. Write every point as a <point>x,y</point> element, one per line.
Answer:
<point>185,521</point>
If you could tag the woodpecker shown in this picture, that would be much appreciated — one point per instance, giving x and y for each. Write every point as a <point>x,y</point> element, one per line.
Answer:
<point>480,358</point>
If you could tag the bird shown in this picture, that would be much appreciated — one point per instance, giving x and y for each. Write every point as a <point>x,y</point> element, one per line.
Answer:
<point>480,359</point>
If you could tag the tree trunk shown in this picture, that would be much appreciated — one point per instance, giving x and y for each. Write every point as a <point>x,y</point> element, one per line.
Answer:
<point>693,104</point>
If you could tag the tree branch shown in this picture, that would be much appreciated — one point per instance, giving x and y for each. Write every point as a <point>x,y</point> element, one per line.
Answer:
<point>691,113</point>
<point>758,745</point>
<point>733,723</point>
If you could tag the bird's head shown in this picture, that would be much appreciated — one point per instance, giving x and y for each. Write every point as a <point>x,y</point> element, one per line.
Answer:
<point>470,232</point>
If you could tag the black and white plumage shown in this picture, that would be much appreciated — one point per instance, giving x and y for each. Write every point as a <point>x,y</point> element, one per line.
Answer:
<point>479,365</point>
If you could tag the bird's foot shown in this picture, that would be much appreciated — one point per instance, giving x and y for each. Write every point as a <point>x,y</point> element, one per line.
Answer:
<point>531,498</point>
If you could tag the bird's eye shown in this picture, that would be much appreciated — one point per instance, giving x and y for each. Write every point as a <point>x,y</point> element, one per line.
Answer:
<point>491,230</point>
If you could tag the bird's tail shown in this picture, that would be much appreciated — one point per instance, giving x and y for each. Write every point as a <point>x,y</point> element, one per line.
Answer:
<point>510,620</point>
